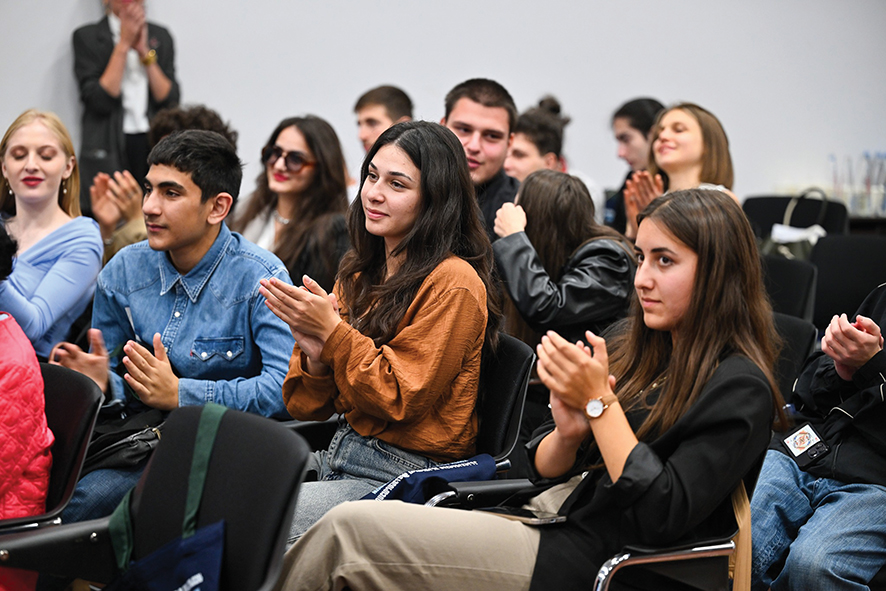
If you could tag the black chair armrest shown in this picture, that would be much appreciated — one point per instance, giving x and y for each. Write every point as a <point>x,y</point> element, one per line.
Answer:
<point>488,493</point>
<point>79,550</point>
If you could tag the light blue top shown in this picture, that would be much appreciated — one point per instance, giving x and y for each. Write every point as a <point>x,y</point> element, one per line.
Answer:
<point>52,282</point>
<point>224,343</point>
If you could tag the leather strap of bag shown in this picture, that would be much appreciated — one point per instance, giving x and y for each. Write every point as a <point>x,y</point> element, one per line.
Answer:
<point>792,204</point>
<point>120,525</point>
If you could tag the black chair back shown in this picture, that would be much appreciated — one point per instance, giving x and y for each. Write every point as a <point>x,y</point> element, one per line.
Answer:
<point>254,473</point>
<point>72,401</point>
<point>790,285</point>
<point>504,378</point>
<point>765,210</point>
<point>849,268</point>
<point>798,338</point>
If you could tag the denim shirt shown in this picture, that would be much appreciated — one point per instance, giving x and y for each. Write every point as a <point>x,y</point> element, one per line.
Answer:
<point>223,342</point>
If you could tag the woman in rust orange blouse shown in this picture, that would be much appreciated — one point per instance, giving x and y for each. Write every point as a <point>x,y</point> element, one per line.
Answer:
<point>396,348</point>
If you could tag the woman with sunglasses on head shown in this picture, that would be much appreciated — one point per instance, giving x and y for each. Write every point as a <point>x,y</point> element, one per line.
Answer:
<point>654,428</point>
<point>59,251</point>
<point>297,211</point>
<point>396,348</point>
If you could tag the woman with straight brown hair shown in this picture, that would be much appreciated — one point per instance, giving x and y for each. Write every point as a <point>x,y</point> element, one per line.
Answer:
<point>297,210</point>
<point>689,150</point>
<point>653,431</point>
<point>59,252</point>
<point>561,269</point>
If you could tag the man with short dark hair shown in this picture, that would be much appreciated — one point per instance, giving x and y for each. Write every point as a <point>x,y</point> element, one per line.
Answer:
<point>378,109</point>
<point>181,312</point>
<point>482,115</point>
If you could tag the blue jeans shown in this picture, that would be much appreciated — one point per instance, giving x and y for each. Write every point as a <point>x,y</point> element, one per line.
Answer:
<point>99,492</point>
<point>830,535</point>
<point>350,468</point>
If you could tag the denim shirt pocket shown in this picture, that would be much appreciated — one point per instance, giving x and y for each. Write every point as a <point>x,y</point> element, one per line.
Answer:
<point>228,348</point>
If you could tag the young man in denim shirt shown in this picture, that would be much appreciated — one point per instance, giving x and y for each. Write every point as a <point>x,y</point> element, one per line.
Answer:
<point>181,313</point>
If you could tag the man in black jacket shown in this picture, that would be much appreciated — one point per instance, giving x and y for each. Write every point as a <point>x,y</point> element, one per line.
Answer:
<point>482,114</point>
<point>817,511</point>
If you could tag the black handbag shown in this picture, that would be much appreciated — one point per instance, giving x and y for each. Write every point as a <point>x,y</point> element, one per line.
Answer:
<point>124,443</point>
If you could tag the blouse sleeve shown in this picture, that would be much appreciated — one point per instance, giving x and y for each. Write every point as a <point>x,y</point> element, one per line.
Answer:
<point>399,380</point>
<point>73,274</point>
<point>596,282</point>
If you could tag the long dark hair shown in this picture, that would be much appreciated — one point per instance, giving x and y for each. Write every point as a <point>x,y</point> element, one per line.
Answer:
<point>448,223</point>
<point>729,312</point>
<point>319,206</point>
<point>559,220</point>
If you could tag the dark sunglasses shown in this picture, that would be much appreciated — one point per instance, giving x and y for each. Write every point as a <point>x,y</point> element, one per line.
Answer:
<point>294,161</point>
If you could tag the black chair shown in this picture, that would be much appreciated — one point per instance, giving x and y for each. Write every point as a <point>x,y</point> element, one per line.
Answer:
<point>252,481</point>
<point>799,338</point>
<point>697,565</point>
<point>849,268</point>
<point>790,284</point>
<point>504,379</point>
<point>72,401</point>
<point>765,210</point>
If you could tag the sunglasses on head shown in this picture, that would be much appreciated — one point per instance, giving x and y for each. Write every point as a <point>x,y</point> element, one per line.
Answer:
<point>294,161</point>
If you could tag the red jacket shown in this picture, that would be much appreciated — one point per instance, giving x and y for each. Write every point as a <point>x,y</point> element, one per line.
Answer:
<point>25,439</point>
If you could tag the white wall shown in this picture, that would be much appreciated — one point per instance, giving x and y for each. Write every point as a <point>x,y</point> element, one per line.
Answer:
<point>792,81</point>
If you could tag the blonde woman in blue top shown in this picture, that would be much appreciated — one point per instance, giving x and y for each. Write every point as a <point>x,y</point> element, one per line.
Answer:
<point>59,253</point>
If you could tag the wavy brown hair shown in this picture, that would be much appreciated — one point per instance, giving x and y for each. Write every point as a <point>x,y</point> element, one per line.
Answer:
<point>559,220</point>
<point>448,223</point>
<point>729,312</point>
<point>319,206</point>
<point>716,165</point>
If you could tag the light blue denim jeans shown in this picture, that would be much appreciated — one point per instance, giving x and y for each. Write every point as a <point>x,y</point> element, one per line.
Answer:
<point>833,533</point>
<point>352,466</point>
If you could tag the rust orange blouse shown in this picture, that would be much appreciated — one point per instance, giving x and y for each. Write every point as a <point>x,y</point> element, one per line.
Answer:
<point>419,390</point>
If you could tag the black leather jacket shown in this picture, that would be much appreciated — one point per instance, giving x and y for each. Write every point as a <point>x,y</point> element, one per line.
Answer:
<point>593,292</point>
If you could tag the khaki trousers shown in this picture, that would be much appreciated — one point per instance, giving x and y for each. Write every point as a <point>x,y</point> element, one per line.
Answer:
<point>367,545</point>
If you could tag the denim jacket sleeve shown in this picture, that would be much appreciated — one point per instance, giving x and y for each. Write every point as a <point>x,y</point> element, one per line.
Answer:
<point>261,394</point>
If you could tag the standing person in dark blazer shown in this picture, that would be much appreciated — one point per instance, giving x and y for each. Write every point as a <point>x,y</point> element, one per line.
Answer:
<point>125,69</point>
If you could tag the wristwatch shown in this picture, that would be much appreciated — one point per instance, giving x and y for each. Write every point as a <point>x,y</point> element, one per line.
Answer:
<point>596,406</point>
<point>150,58</point>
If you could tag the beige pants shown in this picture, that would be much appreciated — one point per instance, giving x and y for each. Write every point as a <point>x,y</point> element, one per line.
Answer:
<point>367,545</point>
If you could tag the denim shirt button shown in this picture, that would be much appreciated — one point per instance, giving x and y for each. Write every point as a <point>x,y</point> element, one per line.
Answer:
<point>177,314</point>
<point>229,354</point>
<point>204,354</point>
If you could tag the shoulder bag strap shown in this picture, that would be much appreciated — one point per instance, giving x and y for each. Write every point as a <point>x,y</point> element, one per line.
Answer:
<point>120,525</point>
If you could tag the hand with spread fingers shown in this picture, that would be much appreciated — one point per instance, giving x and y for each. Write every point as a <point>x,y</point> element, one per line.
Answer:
<point>640,190</point>
<point>93,364</point>
<point>150,375</point>
<point>851,345</point>
<point>127,194</point>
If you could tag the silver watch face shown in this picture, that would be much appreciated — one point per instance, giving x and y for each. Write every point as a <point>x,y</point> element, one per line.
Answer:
<point>594,408</point>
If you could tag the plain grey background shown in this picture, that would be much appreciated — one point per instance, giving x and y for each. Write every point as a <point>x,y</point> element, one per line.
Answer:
<point>793,81</point>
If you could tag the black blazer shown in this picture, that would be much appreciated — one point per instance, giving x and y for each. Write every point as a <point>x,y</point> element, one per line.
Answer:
<point>103,148</point>
<point>676,486</point>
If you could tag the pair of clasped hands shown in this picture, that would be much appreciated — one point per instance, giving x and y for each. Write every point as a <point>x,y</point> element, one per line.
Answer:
<point>851,344</point>
<point>311,313</point>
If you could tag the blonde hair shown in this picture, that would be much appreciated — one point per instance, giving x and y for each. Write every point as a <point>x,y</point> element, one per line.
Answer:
<point>69,188</point>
